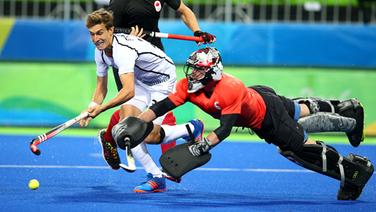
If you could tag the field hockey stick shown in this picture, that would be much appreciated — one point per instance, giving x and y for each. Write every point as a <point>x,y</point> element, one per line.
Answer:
<point>163,35</point>
<point>56,130</point>
<point>131,167</point>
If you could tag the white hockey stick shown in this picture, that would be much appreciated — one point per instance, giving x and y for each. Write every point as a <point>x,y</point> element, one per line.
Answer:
<point>131,167</point>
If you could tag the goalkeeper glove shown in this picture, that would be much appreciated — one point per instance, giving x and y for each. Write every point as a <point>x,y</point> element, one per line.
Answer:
<point>200,148</point>
<point>207,37</point>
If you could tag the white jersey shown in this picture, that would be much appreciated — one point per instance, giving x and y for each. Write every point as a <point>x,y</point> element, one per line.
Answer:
<point>151,66</point>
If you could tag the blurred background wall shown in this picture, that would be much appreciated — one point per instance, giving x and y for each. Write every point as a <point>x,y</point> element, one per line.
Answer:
<point>322,48</point>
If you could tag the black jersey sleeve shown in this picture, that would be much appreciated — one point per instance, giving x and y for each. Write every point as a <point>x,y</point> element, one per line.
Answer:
<point>227,122</point>
<point>174,4</point>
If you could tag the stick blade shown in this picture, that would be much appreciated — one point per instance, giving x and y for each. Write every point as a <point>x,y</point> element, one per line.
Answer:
<point>128,168</point>
<point>131,167</point>
<point>33,147</point>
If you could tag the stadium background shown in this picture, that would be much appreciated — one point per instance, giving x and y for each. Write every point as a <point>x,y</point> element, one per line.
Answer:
<point>299,47</point>
<point>318,48</point>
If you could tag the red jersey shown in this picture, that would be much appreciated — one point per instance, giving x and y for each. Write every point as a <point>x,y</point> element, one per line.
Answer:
<point>230,96</point>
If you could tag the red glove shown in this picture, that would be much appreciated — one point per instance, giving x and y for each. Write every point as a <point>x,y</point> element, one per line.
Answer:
<point>207,37</point>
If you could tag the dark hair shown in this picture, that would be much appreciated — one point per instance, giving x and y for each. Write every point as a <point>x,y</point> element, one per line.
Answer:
<point>100,16</point>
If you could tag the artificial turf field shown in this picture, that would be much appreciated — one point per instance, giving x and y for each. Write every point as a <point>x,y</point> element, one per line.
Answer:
<point>246,175</point>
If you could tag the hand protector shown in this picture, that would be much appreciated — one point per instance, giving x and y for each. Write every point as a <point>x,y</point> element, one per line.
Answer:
<point>207,37</point>
<point>200,148</point>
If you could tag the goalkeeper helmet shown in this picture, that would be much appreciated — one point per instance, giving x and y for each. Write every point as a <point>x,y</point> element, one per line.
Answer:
<point>201,67</point>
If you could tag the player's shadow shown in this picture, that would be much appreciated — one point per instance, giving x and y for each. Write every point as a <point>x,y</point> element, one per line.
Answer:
<point>179,199</point>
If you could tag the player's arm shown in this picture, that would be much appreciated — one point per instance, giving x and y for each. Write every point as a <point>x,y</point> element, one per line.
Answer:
<point>158,109</point>
<point>125,94</point>
<point>99,94</point>
<point>188,17</point>
<point>100,90</point>
<point>222,132</point>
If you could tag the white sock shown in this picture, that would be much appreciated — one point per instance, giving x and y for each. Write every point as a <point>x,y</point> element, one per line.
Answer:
<point>175,132</point>
<point>141,154</point>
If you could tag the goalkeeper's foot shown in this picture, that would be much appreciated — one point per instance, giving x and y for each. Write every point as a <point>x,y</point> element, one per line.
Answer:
<point>152,185</point>
<point>109,151</point>
<point>354,109</point>
<point>352,191</point>
<point>197,132</point>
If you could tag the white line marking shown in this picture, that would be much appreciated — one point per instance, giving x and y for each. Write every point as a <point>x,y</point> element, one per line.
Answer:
<point>105,167</point>
<point>52,167</point>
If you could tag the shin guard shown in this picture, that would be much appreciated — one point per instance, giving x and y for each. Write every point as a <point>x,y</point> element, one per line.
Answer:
<point>327,122</point>
<point>352,170</point>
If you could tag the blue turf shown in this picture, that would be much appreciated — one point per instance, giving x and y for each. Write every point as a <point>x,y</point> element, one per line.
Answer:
<point>82,182</point>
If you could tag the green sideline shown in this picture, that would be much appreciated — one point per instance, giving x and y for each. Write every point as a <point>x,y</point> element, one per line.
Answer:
<point>243,137</point>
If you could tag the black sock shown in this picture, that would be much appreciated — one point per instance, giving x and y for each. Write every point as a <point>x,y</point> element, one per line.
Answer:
<point>162,135</point>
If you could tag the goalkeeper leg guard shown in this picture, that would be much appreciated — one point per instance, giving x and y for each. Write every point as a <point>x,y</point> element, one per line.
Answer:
<point>351,108</point>
<point>349,191</point>
<point>318,105</point>
<point>353,171</point>
<point>354,109</point>
<point>327,122</point>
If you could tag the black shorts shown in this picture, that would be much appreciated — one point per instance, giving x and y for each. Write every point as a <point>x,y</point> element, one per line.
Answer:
<point>279,126</point>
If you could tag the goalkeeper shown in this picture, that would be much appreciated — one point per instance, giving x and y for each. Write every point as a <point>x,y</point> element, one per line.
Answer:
<point>271,117</point>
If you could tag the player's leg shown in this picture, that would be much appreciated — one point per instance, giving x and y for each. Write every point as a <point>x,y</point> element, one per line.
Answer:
<point>133,108</point>
<point>171,133</point>
<point>316,115</point>
<point>352,171</point>
<point>140,131</point>
<point>137,130</point>
<point>156,183</point>
<point>171,121</point>
<point>354,109</point>
<point>280,129</point>
<point>349,117</point>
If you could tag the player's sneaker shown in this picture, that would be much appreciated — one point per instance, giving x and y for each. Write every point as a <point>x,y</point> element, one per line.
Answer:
<point>152,185</point>
<point>354,109</point>
<point>109,152</point>
<point>197,132</point>
<point>351,191</point>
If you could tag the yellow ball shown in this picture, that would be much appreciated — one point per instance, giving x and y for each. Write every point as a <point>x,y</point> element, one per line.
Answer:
<point>33,184</point>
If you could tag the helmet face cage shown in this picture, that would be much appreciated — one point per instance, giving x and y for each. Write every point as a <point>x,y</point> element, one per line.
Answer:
<point>208,62</point>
